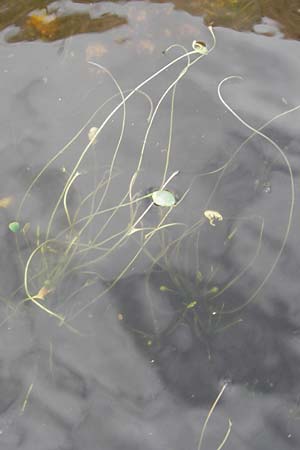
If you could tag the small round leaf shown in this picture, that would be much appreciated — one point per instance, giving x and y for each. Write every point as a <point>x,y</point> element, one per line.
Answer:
<point>14,227</point>
<point>163,198</point>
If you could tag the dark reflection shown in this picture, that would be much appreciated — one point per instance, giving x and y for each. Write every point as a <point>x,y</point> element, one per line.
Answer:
<point>190,313</point>
<point>195,346</point>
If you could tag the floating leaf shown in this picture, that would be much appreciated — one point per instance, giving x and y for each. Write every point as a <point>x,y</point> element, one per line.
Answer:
<point>163,198</point>
<point>14,227</point>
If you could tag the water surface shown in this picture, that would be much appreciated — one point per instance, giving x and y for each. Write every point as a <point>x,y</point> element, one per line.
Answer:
<point>156,327</point>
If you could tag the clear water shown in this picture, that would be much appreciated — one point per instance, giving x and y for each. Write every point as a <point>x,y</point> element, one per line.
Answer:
<point>158,324</point>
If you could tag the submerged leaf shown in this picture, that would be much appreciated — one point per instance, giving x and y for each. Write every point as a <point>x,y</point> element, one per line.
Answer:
<point>163,288</point>
<point>191,305</point>
<point>213,290</point>
<point>26,228</point>
<point>199,276</point>
<point>163,198</point>
<point>5,202</point>
<point>92,133</point>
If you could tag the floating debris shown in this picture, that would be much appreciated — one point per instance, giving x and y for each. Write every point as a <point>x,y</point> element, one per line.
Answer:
<point>267,188</point>
<point>212,216</point>
<point>42,293</point>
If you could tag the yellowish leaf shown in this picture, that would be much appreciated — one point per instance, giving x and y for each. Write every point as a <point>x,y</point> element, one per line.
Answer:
<point>42,293</point>
<point>213,216</point>
<point>5,201</point>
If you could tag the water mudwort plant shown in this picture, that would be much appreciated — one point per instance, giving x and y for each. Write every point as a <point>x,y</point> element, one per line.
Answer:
<point>87,241</point>
<point>96,229</point>
<point>68,258</point>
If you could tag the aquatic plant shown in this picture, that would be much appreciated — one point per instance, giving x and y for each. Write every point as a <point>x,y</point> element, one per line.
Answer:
<point>187,276</point>
<point>213,407</point>
<point>97,228</point>
<point>163,198</point>
<point>105,227</point>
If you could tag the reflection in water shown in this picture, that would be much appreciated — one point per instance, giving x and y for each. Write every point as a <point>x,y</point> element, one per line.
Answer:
<point>51,27</point>
<point>194,345</point>
<point>56,22</point>
<point>245,14</point>
<point>154,306</point>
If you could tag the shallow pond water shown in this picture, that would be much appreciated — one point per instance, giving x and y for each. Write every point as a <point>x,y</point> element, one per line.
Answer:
<point>127,325</point>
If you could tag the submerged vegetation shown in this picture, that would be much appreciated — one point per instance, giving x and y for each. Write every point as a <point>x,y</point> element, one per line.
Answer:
<point>215,403</point>
<point>103,224</point>
<point>96,229</point>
